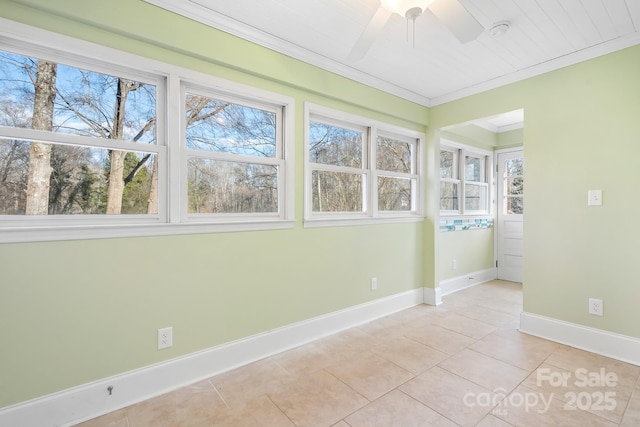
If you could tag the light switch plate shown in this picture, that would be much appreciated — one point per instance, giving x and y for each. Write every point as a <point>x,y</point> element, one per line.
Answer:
<point>595,198</point>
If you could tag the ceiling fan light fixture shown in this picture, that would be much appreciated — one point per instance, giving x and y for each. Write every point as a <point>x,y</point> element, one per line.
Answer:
<point>409,9</point>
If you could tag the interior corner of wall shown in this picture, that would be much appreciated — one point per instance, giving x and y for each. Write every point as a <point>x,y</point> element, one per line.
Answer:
<point>432,296</point>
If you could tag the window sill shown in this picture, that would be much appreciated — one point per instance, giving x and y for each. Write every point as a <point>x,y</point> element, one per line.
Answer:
<point>84,232</point>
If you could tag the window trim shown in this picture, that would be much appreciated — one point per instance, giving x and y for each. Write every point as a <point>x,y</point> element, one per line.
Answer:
<point>461,151</point>
<point>31,41</point>
<point>372,128</point>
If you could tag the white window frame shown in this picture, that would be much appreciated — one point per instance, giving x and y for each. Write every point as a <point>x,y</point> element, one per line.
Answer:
<point>461,152</point>
<point>278,160</point>
<point>172,197</point>
<point>371,129</point>
<point>413,176</point>
<point>455,179</point>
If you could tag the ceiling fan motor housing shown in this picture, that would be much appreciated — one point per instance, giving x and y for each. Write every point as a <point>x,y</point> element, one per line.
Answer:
<point>410,9</point>
<point>413,13</point>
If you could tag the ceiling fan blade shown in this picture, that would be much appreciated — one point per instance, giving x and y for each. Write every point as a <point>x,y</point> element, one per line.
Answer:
<point>459,21</point>
<point>369,34</point>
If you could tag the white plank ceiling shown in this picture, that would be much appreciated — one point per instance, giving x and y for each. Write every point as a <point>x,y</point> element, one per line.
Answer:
<point>544,35</point>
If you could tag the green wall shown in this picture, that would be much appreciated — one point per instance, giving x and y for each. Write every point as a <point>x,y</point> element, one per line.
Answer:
<point>510,139</point>
<point>581,132</point>
<point>77,311</point>
<point>472,250</point>
<point>471,135</point>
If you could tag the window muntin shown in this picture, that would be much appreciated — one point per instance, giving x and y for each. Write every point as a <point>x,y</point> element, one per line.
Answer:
<point>464,186</point>
<point>235,155</point>
<point>357,169</point>
<point>75,141</point>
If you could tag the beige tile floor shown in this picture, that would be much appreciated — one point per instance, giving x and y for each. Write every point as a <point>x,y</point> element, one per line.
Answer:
<point>463,363</point>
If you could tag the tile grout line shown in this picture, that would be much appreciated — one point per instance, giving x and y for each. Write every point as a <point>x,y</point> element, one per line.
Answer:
<point>219,394</point>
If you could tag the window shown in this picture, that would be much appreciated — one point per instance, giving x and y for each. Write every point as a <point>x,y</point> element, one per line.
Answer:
<point>513,203</point>
<point>476,188</point>
<point>464,180</point>
<point>338,180</point>
<point>76,142</point>
<point>449,182</point>
<point>358,169</point>
<point>234,155</point>
<point>90,148</point>
<point>397,173</point>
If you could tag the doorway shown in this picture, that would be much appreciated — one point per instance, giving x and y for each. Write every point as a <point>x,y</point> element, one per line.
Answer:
<point>510,214</point>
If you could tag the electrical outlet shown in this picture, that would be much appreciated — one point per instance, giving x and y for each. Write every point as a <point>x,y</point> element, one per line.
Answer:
<point>165,337</point>
<point>374,283</point>
<point>454,264</point>
<point>594,198</point>
<point>595,307</point>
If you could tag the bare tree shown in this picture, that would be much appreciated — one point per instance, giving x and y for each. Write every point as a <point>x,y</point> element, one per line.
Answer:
<point>116,175</point>
<point>40,153</point>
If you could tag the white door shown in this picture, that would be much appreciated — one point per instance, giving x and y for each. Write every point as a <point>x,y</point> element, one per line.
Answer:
<point>510,207</point>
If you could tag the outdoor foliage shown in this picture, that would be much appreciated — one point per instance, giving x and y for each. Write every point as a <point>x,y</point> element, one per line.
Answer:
<point>228,174</point>
<point>341,161</point>
<point>46,178</point>
<point>514,186</point>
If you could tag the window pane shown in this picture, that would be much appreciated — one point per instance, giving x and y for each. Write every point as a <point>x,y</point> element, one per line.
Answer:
<point>514,167</point>
<point>79,181</point>
<point>514,186</point>
<point>473,169</point>
<point>336,191</point>
<point>333,145</point>
<point>394,194</point>
<point>447,165</point>
<point>475,197</point>
<point>75,101</point>
<point>514,205</point>
<point>449,196</point>
<point>393,155</point>
<point>217,186</point>
<point>221,126</point>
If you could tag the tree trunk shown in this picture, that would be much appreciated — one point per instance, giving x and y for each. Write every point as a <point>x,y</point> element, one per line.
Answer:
<point>39,153</point>
<point>116,173</point>
<point>116,182</point>
<point>152,204</point>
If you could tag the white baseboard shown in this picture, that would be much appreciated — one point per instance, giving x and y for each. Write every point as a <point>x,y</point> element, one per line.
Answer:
<point>91,400</point>
<point>456,284</point>
<point>616,346</point>
<point>433,296</point>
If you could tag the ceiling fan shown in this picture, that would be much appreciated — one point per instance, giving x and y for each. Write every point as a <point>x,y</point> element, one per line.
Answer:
<point>451,12</point>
